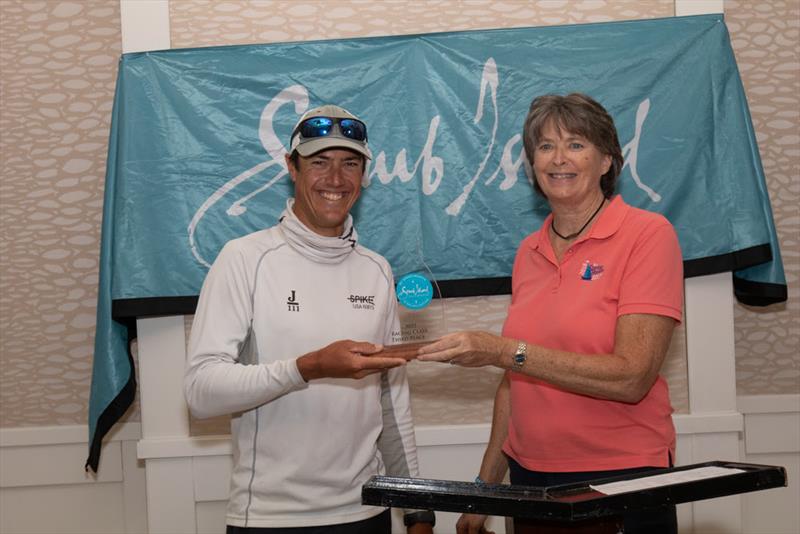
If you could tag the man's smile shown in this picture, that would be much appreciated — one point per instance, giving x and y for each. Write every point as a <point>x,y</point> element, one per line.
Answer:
<point>329,195</point>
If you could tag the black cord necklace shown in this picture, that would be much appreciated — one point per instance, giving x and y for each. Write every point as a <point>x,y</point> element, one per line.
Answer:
<point>576,234</point>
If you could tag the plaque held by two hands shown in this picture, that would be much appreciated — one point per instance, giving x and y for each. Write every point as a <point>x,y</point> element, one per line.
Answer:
<point>421,311</point>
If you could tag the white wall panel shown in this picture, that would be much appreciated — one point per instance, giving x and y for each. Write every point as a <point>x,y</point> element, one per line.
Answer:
<point>133,489</point>
<point>774,511</point>
<point>211,517</point>
<point>45,490</point>
<point>144,25</point>
<point>56,464</point>
<point>212,476</point>
<point>74,509</point>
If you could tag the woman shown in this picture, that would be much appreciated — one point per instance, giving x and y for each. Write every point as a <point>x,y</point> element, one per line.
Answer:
<point>596,294</point>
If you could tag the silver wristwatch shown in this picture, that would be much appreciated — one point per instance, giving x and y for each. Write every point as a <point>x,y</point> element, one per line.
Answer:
<point>520,356</point>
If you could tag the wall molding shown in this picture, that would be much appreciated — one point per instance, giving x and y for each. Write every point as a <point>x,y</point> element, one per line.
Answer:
<point>755,404</point>
<point>426,436</point>
<point>67,434</point>
<point>432,435</point>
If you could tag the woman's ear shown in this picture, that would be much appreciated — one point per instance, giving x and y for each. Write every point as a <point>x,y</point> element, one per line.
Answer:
<point>606,163</point>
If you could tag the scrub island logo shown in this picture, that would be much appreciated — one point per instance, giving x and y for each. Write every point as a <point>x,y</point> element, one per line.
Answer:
<point>414,291</point>
<point>431,168</point>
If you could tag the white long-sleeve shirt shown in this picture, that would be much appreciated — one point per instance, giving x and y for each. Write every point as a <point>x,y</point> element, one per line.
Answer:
<point>301,450</point>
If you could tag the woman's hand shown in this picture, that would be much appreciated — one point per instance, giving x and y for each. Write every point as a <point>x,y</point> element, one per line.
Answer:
<point>470,349</point>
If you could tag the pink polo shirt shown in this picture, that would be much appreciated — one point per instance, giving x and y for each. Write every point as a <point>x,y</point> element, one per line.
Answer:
<point>630,262</point>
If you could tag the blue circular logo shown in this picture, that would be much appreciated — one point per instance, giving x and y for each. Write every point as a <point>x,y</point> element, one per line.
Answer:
<point>414,291</point>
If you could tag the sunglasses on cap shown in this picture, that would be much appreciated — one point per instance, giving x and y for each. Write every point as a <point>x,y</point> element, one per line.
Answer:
<point>323,126</point>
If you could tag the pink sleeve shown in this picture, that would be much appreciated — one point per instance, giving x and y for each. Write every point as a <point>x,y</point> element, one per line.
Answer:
<point>653,279</point>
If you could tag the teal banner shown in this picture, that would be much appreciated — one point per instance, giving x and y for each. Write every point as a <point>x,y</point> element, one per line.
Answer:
<point>198,138</point>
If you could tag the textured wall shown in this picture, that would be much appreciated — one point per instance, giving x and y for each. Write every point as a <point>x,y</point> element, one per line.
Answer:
<point>204,23</point>
<point>766,40</point>
<point>58,64</point>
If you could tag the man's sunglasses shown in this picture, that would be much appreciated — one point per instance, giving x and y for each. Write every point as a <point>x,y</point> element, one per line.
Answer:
<point>323,127</point>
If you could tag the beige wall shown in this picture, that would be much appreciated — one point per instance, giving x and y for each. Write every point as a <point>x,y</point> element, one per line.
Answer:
<point>766,41</point>
<point>58,64</point>
<point>202,23</point>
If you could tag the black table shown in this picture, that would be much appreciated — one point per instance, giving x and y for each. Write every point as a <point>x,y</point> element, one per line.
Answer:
<point>575,507</point>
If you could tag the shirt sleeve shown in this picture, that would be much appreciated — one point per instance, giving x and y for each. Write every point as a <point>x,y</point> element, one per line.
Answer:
<point>217,381</point>
<point>653,278</point>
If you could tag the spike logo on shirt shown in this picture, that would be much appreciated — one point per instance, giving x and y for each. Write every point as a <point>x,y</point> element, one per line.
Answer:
<point>362,302</point>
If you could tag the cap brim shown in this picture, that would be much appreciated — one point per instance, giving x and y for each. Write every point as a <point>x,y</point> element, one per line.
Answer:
<point>312,146</point>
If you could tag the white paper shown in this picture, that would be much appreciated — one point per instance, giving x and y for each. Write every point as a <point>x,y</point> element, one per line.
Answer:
<point>666,479</point>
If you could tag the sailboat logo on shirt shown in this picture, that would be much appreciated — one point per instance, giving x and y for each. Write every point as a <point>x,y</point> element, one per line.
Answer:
<point>590,271</point>
<point>292,303</point>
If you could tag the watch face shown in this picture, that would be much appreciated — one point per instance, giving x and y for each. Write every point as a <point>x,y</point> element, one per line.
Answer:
<point>520,356</point>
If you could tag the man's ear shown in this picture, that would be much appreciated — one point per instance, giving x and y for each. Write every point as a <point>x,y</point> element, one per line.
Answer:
<point>290,167</point>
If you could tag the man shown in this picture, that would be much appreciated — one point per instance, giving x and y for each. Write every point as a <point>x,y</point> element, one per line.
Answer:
<point>315,415</point>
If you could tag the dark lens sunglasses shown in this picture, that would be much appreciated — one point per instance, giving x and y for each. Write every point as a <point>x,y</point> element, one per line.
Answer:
<point>323,127</point>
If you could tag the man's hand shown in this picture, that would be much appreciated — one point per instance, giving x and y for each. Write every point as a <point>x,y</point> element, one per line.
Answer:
<point>420,528</point>
<point>345,359</point>
<point>472,524</point>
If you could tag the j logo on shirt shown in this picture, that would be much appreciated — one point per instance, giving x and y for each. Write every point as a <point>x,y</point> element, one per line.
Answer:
<point>292,303</point>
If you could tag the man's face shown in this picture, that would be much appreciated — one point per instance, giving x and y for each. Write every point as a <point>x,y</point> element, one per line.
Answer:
<point>326,185</point>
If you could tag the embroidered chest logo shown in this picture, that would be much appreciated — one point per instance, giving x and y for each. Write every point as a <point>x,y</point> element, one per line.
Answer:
<point>362,302</point>
<point>292,303</point>
<point>590,271</point>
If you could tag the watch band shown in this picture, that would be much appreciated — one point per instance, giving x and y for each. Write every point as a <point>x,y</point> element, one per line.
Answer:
<point>520,356</point>
<point>423,516</point>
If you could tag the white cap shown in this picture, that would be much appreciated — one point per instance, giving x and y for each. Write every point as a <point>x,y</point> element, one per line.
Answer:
<point>309,146</point>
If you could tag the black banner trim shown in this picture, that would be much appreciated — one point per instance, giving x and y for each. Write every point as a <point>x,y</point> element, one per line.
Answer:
<point>746,291</point>
<point>115,409</point>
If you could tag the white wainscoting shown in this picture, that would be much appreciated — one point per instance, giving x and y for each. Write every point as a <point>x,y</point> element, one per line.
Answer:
<point>772,437</point>
<point>44,489</point>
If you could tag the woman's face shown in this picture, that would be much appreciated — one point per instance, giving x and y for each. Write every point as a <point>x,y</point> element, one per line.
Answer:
<point>568,167</point>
